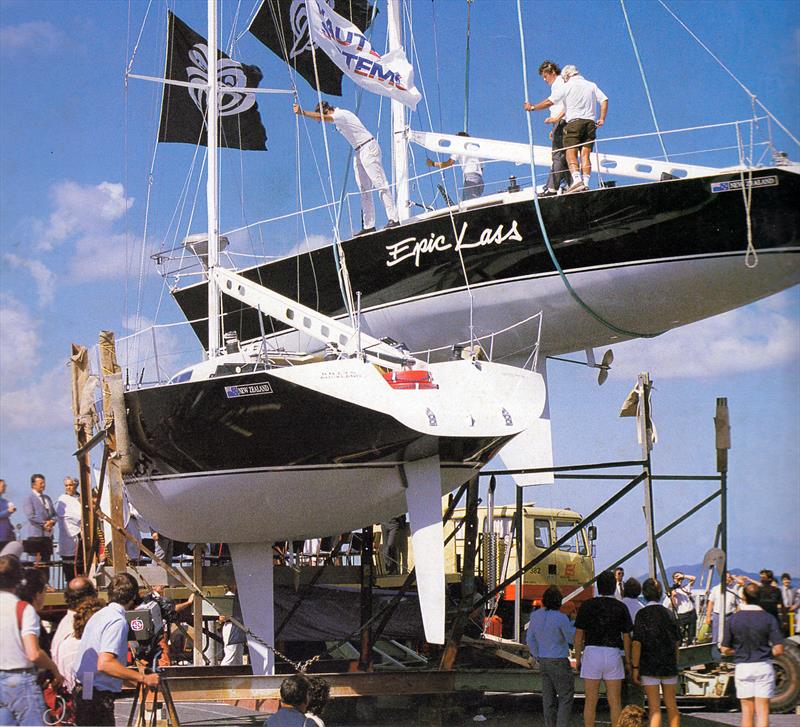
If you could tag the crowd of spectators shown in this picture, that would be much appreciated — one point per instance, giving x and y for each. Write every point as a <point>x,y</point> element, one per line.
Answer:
<point>628,638</point>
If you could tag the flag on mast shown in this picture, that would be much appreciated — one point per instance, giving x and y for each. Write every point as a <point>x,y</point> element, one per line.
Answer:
<point>388,75</point>
<point>183,109</point>
<point>282,26</point>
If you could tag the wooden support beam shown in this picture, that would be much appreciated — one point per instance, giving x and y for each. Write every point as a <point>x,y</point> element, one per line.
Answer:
<point>367,580</point>
<point>108,367</point>
<point>197,605</point>
<point>84,418</point>
<point>467,579</point>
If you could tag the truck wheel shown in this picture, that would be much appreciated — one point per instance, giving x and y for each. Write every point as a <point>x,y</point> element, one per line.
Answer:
<point>787,682</point>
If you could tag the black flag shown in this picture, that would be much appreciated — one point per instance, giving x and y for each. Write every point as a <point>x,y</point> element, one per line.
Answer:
<point>282,26</point>
<point>183,109</point>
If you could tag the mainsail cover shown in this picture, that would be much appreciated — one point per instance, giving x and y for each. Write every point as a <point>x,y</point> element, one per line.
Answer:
<point>282,26</point>
<point>183,109</point>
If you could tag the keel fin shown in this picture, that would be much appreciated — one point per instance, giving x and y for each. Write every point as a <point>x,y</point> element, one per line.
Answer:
<point>252,565</point>
<point>424,499</point>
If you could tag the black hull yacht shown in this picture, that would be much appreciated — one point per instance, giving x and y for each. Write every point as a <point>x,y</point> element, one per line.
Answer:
<point>646,258</point>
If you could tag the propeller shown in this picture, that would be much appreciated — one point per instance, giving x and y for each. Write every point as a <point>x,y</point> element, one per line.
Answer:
<point>604,365</point>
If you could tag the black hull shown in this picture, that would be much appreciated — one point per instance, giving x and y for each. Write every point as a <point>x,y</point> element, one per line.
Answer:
<point>628,227</point>
<point>197,427</point>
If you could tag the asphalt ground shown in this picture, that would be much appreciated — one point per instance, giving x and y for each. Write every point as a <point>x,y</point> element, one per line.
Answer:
<point>506,710</point>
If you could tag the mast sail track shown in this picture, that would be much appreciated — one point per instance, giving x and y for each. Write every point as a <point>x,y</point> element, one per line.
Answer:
<point>306,320</point>
<point>508,151</point>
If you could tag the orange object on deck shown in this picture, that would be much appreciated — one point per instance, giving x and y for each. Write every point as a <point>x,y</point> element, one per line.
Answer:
<point>493,625</point>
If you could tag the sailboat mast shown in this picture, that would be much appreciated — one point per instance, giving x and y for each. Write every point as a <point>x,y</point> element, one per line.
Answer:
<point>399,147</point>
<point>212,201</point>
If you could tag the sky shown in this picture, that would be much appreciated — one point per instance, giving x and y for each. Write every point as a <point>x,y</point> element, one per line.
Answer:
<point>78,227</point>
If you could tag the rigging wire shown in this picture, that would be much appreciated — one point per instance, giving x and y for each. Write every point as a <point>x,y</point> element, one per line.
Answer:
<point>545,236</point>
<point>753,97</point>
<point>644,79</point>
<point>466,70</point>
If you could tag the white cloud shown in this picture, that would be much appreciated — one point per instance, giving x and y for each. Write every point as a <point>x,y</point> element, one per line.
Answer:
<point>44,278</point>
<point>35,35</point>
<point>31,398</point>
<point>761,336</point>
<point>43,403</point>
<point>82,211</point>
<point>19,342</point>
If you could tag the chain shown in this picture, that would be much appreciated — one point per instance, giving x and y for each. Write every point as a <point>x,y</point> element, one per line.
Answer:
<point>299,667</point>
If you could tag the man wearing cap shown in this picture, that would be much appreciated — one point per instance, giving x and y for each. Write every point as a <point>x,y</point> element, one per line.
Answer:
<point>580,98</point>
<point>366,161</point>
<point>681,602</point>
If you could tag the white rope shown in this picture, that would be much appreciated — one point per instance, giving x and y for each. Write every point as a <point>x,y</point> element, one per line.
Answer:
<point>644,79</point>
<point>751,256</point>
<point>730,73</point>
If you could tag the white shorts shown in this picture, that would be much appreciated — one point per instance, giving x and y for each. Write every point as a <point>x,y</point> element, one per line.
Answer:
<point>602,662</point>
<point>655,681</point>
<point>754,680</point>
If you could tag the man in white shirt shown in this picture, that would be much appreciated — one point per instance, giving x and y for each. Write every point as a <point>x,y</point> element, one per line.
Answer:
<point>681,602</point>
<point>20,696</point>
<point>471,168</point>
<point>559,172</point>
<point>713,607</point>
<point>580,97</point>
<point>366,161</point>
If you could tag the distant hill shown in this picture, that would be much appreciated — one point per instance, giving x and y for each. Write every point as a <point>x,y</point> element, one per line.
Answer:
<point>695,570</point>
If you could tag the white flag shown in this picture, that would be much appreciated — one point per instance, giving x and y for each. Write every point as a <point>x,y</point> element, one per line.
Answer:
<point>389,75</point>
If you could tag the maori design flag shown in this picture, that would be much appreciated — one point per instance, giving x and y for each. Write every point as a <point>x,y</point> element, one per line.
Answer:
<point>183,109</point>
<point>282,26</point>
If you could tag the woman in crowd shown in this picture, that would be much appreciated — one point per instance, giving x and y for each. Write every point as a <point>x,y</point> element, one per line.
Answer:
<point>21,596</point>
<point>318,693</point>
<point>656,638</point>
<point>64,656</point>
<point>604,626</point>
<point>550,633</point>
<point>69,514</point>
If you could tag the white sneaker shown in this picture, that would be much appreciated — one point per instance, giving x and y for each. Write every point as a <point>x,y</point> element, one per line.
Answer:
<point>577,186</point>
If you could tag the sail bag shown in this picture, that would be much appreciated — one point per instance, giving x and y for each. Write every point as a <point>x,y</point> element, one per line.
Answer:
<point>183,109</point>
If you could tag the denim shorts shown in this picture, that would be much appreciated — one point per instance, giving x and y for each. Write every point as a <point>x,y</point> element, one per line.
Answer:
<point>21,700</point>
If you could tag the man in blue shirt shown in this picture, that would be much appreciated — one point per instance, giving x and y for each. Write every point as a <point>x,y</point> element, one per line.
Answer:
<point>294,703</point>
<point>753,638</point>
<point>102,656</point>
<point>550,633</point>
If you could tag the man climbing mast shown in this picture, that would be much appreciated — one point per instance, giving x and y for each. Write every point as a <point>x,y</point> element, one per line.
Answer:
<point>366,161</point>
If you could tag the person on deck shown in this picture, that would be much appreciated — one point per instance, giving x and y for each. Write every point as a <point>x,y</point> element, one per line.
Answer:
<point>559,171</point>
<point>471,168</point>
<point>366,161</point>
<point>604,627</point>
<point>580,98</point>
